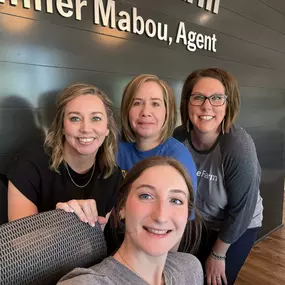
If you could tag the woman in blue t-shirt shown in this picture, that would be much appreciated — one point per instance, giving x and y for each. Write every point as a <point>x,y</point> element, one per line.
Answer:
<point>148,118</point>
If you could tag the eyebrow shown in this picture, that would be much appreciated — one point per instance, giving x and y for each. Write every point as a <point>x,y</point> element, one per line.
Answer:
<point>78,113</point>
<point>178,191</point>
<point>152,98</point>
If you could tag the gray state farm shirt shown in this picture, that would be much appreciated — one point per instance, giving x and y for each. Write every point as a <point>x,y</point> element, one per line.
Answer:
<point>228,174</point>
<point>180,269</point>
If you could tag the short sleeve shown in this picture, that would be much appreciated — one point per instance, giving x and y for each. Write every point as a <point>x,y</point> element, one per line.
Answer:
<point>183,155</point>
<point>25,176</point>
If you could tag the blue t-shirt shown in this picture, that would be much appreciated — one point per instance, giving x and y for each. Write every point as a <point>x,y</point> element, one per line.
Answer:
<point>129,155</point>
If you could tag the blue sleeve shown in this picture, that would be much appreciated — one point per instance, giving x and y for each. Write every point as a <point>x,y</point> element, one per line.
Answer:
<point>185,158</point>
<point>183,155</point>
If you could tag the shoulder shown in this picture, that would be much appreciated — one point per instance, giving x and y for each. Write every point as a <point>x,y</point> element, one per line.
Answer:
<point>180,133</point>
<point>182,259</point>
<point>97,274</point>
<point>184,266</point>
<point>125,146</point>
<point>85,276</point>
<point>173,146</point>
<point>34,153</point>
<point>237,143</point>
<point>31,157</point>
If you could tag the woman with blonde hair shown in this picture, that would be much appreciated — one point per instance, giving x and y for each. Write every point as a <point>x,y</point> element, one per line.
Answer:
<point>76,169</point>
<point>148,119</point>
<point>154,203</point>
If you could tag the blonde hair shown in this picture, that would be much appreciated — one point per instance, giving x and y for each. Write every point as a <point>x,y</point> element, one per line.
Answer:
<point>231,90</point>
<point>128,134</point>
<point>55,138</point>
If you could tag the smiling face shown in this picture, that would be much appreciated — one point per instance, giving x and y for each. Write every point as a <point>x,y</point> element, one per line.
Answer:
<point>156,210</point>
<point>147,113</point>
<point>85,125</point>
<point>207,118</point>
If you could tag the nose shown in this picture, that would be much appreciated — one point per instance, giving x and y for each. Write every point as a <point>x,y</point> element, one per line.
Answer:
<point>207,104</point>
<point>85,126</point>
<point>146,110</point>
<point>160,213</point>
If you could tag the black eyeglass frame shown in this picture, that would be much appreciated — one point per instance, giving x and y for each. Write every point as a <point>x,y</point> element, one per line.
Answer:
<point>209,98</point>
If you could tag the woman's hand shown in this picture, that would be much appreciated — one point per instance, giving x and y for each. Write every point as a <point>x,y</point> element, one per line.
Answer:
<point>215,271</point>
<point>86,210</point>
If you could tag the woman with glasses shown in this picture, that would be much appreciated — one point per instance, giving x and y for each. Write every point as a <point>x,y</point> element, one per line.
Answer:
<point>228,172</point>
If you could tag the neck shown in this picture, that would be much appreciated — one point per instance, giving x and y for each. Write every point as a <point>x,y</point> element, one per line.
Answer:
<point>204,141</point>
<point>143,144</point>
<point>147,267</point>
<point>79,163</point>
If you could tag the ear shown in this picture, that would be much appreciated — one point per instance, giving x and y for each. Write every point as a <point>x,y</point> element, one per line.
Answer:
<point>107,132</point>
<point>122,214</point>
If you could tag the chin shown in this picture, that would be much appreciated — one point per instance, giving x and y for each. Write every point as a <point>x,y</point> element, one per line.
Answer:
<point>157,250</point>
<point>86,151</point>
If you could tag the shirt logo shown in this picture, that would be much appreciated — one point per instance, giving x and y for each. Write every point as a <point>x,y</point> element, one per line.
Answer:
<point>206,175</point>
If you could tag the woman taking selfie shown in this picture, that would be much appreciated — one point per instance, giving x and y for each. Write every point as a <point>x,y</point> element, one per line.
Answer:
<point>228,172</point>
<point>154,202</point>
<point>76,169</point>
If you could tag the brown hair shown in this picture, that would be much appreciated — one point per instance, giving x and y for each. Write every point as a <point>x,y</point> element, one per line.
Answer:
<point>192,234</point>
<point>231,90</point>
<point>55,138</point>
<point>128,97</point>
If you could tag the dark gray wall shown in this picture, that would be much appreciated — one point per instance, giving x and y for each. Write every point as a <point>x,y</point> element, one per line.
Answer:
<point>42,53</point>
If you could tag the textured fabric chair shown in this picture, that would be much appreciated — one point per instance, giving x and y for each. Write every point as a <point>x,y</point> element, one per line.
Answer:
<point>41,248</point>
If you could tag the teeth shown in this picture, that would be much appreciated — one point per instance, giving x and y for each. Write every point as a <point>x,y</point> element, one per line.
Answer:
<point>86,139</point>
<point>157,232</point>
<point>206,117</point>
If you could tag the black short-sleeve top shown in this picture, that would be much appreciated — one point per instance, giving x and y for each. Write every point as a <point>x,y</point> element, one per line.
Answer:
<point>31,175</point>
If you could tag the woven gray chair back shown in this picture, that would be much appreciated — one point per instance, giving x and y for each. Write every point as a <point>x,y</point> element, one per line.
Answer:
<point>40,249</point>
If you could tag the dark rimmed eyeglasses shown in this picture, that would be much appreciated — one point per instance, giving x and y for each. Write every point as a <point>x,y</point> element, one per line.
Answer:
<point>198,99</point>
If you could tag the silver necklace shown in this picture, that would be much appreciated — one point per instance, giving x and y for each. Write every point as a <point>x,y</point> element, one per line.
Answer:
<point>80,186</point>
<point>133,269</point>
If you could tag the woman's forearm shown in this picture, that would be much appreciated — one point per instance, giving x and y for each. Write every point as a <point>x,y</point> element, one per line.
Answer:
<point>220,247</point>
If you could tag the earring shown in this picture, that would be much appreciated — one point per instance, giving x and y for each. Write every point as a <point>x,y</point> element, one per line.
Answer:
<point>188,126</point>
<point>223,126</point>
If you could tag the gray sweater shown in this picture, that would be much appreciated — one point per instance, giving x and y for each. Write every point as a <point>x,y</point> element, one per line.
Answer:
<point>180,269</point>
<point>228,174</point>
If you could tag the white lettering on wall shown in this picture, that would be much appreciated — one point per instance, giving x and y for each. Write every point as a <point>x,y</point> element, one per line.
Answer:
<point>105,14</point>
<point>68,8</point>
<point>211,5</point>
<point>135,23</point>
<point>192,40</point>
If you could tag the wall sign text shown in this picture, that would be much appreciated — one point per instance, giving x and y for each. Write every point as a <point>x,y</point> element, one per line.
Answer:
<point>105,14</point>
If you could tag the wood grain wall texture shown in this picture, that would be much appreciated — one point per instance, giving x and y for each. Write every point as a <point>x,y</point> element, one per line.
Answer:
<point>41,53</point>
